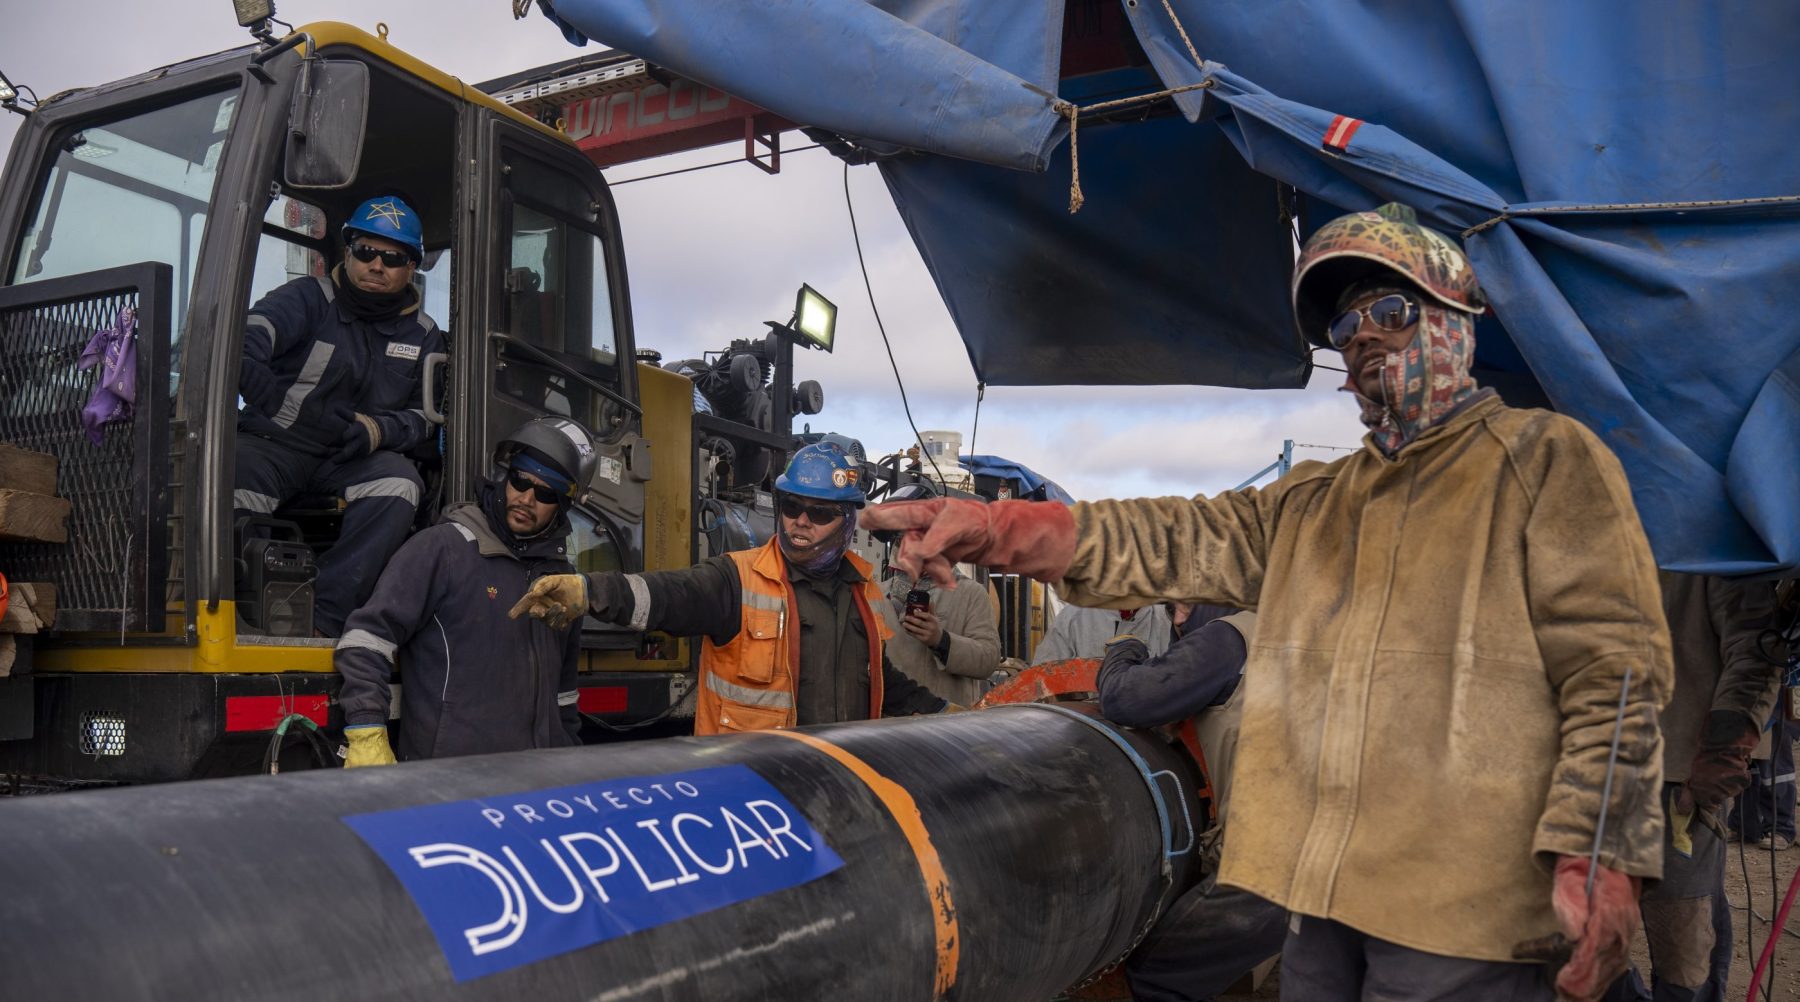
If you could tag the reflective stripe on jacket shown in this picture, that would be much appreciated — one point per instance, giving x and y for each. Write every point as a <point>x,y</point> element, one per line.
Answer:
<point>749,682</point>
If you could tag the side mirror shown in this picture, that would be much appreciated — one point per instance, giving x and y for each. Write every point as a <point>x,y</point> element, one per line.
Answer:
<point>326,124</point>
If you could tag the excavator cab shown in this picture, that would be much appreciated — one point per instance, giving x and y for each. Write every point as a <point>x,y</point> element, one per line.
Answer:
<point>139,221</point>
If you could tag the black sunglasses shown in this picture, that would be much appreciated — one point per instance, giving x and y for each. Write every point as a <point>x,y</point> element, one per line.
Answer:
<point>391,258</point>
<point>544,495</point>
<point>818,514</point>
<point>1389,313</point>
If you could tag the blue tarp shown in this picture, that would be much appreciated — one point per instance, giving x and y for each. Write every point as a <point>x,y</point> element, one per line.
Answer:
<point>973,80</point>
<point>1620,176</point>
<point>1030,479</point>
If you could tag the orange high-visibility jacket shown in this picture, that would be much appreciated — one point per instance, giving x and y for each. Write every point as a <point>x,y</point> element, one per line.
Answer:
<point>749,683</point>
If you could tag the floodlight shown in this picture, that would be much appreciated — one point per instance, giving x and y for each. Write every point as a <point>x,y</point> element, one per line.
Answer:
<point>815,318</point>
<point>251,13</point>
<point>7,93</point>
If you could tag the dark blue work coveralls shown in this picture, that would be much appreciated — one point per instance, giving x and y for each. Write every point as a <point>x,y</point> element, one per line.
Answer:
<point>330,366</point>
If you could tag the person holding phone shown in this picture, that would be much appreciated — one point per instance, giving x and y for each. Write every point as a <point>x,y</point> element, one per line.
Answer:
<point>944,639</point>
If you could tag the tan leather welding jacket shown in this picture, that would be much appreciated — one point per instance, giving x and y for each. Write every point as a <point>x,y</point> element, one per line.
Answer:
<point>1431,690</point>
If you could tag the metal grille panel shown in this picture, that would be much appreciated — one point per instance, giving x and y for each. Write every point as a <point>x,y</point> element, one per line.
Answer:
<point>111,572</point>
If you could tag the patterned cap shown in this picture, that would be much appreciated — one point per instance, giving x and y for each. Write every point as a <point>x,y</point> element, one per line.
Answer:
<point>1361,245</point>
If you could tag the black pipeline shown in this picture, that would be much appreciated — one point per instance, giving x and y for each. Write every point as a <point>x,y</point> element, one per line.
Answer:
<point>1003,854</point>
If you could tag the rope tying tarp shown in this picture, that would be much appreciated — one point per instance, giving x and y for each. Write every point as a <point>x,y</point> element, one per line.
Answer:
<point>1073,113</point>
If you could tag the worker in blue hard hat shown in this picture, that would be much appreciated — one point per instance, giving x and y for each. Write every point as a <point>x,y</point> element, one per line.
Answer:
<point>332,388</point>
<point>790,632</point>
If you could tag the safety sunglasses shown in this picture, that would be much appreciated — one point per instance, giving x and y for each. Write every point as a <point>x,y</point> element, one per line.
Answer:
<point>390,258</point>
<point>1389,313</point>
<point>818,514</point>
<point>544,495</point>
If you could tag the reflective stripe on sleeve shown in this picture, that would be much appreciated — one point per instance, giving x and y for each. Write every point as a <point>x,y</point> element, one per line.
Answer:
<point>368,642</point>
<point>640,602</point>
<point>263,324</point>
<point>568,698</point>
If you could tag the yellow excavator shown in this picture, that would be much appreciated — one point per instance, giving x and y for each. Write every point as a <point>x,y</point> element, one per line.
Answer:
<point>173,200</point>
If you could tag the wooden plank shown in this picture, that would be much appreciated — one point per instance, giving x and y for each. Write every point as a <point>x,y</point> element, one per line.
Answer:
<point>24,470</point>
<point>15,656</point>
<point>31,607</point>
<point>36,517</point>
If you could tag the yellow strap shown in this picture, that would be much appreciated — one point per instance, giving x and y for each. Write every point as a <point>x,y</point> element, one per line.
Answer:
<point>901,807</point>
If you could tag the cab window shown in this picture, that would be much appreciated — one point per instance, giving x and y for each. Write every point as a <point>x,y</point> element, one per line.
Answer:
<point>557,299</point>
<point>132,189</point>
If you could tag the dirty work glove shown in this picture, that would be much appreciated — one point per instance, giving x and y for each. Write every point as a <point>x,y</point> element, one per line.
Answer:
<point>557,599</point>
<point>1721,768</point>
<point>368,746</point>
<point>950,707</point>
<point>257,385</point>
<point>1033,538</point>
<point>361,437</point>
<point>1601,929</point>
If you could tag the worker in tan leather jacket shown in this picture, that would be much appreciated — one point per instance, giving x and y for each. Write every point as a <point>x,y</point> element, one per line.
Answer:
<point>1454,623</point>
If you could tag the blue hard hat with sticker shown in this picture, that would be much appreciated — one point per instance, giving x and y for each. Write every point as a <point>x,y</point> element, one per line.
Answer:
<point>824,471</point>
<point>387,217</point>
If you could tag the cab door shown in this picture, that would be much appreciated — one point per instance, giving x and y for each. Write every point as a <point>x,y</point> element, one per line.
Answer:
<point>558,334</point>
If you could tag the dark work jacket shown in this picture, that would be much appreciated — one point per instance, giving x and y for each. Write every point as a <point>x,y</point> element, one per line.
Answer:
<point>472,680</point>
<point>833,680</point>
<point>1199,670</point>
<point>330,366</point>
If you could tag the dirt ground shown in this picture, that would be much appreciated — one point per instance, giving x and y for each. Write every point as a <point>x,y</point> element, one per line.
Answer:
<point>1756,907</point>
<point>1762,901</point>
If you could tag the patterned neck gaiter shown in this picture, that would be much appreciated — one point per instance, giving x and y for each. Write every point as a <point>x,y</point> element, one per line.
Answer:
<point>823,555</point>
<point>1424,381</point>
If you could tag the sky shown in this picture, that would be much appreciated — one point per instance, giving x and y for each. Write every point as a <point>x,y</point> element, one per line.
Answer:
<point>713,253</point>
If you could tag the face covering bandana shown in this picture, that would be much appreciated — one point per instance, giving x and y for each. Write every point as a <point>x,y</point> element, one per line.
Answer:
<point>824,554</point>
<point>365,305</point>
<point>1422,382</point>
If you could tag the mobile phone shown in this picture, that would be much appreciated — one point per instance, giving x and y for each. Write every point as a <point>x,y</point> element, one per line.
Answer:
<point>918,600</point>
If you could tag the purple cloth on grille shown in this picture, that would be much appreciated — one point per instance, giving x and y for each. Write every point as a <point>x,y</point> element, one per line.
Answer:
<point>114,349</point>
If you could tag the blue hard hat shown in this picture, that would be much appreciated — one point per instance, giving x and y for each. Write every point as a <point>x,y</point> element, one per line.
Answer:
<point>389,218</point>
<point>824,471</point>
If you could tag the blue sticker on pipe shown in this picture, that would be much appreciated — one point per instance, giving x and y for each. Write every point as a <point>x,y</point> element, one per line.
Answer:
<point>505,881</point>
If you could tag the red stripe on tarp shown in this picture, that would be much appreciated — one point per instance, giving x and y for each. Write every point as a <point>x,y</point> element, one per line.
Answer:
<point>263,713</point>
<point>1337,136</point>
<point>602,699</point>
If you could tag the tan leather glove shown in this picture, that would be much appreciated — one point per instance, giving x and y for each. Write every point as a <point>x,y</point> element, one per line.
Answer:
<point>557,599</point>
<point>368,746</point>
